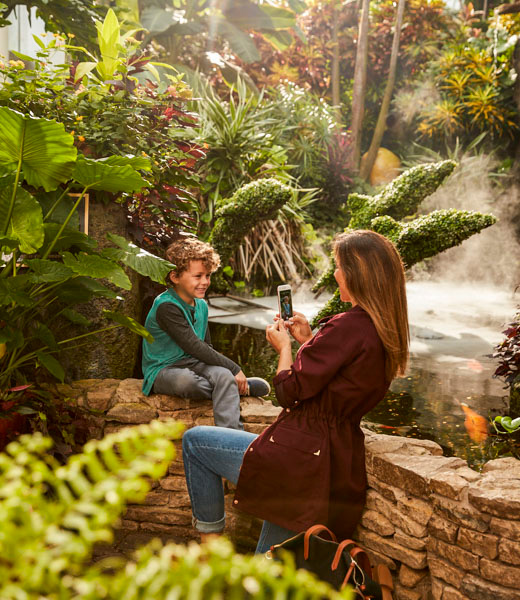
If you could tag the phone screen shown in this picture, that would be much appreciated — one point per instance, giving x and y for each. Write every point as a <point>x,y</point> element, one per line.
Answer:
<point>285,302</point>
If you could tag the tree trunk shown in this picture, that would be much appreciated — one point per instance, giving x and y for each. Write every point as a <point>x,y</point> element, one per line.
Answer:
<point>336,102</point>
<point>360,80</point>
<point>368,162</point>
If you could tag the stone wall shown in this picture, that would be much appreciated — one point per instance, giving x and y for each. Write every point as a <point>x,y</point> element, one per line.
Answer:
<point>446,531</point>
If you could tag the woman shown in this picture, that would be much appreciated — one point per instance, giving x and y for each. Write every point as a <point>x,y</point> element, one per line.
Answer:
<point>308,467</point>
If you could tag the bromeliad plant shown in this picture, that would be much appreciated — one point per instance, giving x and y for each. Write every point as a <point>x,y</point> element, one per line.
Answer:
<point>474,80</point>
<point>47,266</point>
<point>53,514</point>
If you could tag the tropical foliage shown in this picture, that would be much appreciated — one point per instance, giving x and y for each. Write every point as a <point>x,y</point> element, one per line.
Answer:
<point>52,515</point>
<point>473,79</point>
<point>48,266</point>
<point>78,17</point>
<point>114,103</point>
<point>197,35</point>
<point>508,355</point>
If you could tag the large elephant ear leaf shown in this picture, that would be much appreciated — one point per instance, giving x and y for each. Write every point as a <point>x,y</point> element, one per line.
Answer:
<point>46,151</point>
<point>51,364</point>
<point>26,222</point>
<point>129,323</point>
<point>92,265</point>
<point>140,260</point>
<point>67,239</point>
<point>99,175</point>
<point>45,271</point>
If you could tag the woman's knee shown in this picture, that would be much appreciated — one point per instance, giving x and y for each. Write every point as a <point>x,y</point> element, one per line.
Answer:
<point>193,437</point>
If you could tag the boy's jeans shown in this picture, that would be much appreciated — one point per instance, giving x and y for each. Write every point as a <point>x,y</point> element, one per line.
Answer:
<point>191,378</point>
<point>209,454</point>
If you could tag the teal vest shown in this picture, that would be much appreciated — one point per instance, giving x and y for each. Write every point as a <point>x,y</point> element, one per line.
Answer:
<point>163,351</point>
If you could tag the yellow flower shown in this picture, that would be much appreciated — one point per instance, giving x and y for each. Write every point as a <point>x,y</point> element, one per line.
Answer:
<point>81,138</point>
<point>72,132</point>
<point>71,35</point>
<point>79,118</point>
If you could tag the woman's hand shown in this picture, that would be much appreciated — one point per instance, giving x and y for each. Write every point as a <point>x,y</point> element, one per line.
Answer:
<point>279,339</point>
<point>299,328</point>
<point>241,380</point>
<point>277,336</point>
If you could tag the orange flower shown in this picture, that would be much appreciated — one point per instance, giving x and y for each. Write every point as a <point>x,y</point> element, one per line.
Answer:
<point>81,138</point>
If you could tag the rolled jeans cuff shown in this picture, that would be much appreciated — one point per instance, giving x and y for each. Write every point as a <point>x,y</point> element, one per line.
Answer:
<point>209,526</point>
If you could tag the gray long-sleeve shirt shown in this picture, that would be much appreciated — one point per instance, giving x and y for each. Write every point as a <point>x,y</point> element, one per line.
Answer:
<point>171,319</point>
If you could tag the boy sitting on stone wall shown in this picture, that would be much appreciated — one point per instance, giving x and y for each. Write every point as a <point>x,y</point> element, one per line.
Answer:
<point>181,361</point>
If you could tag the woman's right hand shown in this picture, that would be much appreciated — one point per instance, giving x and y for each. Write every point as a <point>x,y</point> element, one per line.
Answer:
<point>299,328</point>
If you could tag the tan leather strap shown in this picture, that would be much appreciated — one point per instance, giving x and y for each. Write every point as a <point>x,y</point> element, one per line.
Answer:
<point>314,530</point>
<point>362,559</point>
<point>339,552</point>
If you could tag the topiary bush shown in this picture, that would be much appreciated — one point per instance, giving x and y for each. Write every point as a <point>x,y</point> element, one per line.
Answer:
<point>52,515</point>
<point>257,201</point>
<point>415,240</point>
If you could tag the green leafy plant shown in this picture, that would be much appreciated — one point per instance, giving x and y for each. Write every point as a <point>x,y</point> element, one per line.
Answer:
<point>48,266</point>
<point>474,77</point>
<point>242,143</point>
<point>507,424</point>
<point>75,16</point>
<point>131,113</point>
<point>388,213</point>
<point>508,355</point>
<point>255,202</point>
<point>52,515</point>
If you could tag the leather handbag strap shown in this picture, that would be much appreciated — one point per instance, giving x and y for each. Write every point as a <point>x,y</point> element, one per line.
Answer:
<point>314,530</point>
<point>339,552</point>
<point>361,557</point>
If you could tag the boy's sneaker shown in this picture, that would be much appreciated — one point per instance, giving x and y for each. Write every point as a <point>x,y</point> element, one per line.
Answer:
<point>256,386</point>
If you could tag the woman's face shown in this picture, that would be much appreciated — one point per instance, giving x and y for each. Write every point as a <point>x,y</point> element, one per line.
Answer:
<point>342,284</point>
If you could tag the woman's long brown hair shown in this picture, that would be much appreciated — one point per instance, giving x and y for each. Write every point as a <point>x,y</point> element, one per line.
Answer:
<point>375,279</point>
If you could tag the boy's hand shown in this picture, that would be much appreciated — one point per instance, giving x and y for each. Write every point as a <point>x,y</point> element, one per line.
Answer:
<point>299,328</point>
<point>241,380</point>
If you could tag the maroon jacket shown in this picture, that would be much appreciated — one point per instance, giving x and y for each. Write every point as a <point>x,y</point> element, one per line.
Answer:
<point>308,467</point>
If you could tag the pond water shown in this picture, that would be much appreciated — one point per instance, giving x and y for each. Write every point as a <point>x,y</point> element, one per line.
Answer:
<point>453,329</point>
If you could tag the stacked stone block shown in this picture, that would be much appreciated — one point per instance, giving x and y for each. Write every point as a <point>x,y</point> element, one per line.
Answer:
<point>445,531</point>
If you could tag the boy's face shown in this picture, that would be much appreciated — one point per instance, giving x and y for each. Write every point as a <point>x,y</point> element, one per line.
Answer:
<point>193,282</point>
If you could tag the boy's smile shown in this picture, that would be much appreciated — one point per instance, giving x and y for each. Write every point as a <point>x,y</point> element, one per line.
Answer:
<point>193,282</point>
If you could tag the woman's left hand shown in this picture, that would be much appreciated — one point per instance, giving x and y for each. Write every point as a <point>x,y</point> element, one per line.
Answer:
<point>278,336</point>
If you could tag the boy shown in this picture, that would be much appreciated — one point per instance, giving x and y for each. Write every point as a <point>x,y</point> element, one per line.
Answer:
<point>181,360</point>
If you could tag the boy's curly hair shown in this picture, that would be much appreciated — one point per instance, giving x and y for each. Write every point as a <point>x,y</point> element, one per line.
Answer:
<point>181,252</point>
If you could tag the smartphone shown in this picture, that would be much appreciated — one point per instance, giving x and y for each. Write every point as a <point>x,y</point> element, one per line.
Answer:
<point>285,307</point>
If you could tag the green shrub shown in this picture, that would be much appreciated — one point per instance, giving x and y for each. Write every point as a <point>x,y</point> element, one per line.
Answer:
<point>47,266</point>
<point>415,240</point>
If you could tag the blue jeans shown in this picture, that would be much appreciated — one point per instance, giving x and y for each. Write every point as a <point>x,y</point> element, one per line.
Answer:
<point>211,453</point>
<point>191,378</point>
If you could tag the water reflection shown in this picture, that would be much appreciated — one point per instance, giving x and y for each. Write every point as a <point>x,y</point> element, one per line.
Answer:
<point>425,404</point>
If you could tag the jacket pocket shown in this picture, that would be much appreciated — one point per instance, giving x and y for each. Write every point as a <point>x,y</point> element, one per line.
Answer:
<point>297,439</point>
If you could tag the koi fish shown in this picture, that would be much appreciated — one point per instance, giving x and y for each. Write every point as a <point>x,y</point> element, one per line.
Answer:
<point>476,425</point>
